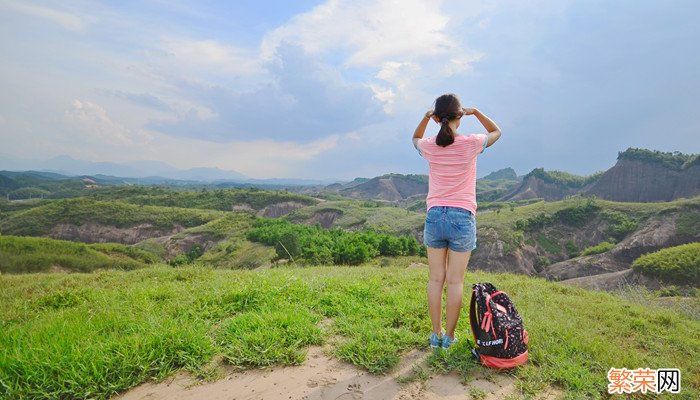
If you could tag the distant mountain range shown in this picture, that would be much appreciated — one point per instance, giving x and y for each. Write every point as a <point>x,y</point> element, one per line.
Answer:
<point>639,175</point>
<point>69,166</point>
<point>145,171</point>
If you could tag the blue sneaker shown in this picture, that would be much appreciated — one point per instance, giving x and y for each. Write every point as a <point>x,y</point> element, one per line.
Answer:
<point>434,340</point>
<point>447,342</point>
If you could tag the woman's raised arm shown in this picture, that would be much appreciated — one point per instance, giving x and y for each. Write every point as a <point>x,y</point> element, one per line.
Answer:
<point>494,133</point>
<point>420,129</point>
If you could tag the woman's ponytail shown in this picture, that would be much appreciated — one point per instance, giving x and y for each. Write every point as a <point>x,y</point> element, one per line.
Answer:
<point>447,108</point>
<point>446,136</point>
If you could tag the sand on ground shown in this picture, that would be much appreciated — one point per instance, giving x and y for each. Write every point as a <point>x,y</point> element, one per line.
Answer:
<point>322,377</point>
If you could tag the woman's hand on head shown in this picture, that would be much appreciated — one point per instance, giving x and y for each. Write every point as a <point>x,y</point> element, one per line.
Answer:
<point>468,111</point>
<point>429,114</point>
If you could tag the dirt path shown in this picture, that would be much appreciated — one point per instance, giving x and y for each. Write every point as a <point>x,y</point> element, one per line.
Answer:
<point>324,378</point>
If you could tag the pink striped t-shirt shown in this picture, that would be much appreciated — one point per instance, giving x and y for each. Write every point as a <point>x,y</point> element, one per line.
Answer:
<point>452,170</point>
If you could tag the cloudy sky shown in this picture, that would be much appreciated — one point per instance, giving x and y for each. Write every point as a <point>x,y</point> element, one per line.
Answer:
<point>334,89</point>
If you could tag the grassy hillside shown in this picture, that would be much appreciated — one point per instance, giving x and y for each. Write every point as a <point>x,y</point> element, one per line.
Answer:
<point>40,220</point>
<point>563,178</point>
<point>29,254</point>
<point>355,214</point>
<point>90,336</point>
<point>510,222</point>
<point>219,199</point>
<point>490,190</point>
<point>233,250</point>
<point>32,184</point>
<point>679,264</point>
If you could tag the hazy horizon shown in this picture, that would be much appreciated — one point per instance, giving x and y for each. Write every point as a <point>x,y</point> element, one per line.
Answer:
<point>334,89</point>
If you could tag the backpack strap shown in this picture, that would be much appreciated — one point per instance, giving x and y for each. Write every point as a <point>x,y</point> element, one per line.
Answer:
<point>472,313</point>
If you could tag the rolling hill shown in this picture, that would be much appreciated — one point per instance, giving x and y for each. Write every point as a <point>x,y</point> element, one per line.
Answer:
<point>639,175</point>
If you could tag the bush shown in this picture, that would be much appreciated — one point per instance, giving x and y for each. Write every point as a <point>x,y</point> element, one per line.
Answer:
<point>549,244</point>
<point>571,249</point>
<point>562,178</point>
<point>620,224</point>
<point>676,160</point>
<point>536,222</point>
<point>316,245</point>
<point>601,247</point>
<point>679,264</point>
<point>541,263</point>
<point>578,215</point>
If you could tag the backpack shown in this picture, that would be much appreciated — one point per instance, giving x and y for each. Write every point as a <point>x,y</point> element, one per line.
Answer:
<point>501,340</point>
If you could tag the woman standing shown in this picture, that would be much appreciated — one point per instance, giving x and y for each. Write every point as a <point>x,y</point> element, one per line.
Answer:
<point>450,226</point>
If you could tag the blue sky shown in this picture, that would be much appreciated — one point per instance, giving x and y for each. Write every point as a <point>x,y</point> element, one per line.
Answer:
<point>334,89</point>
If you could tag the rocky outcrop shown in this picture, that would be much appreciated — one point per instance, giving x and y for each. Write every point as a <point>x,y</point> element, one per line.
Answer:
<point>534,187</point>
<point>583,266</point>
<point>183,243</point>
<point>638,176</point>
<point>655,234</point>
<point>613,281</point>
<point>493,255</point>
<point>325,218</point>
<point>640,181</point>
<point>91,232</point>
<point>280,209</point>
<point>502,174</point>
<point>393,187</point>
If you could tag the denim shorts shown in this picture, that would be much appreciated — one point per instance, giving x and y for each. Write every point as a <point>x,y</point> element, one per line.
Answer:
<point>451,227</point>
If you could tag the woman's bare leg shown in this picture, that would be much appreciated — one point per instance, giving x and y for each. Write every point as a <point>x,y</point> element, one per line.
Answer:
<point>457,264</point>
<point>437,266</point>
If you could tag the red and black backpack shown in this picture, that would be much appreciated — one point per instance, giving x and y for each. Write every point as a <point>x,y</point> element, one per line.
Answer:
<point>501,340</point>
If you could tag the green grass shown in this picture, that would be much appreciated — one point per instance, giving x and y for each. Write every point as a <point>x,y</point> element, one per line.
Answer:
<point>623,216</point>
<point>549,244</point>
<point>354,214</point>
<point>39,220</point>
<point>688,222</point>
<point>680,264</point>
<point>93,335</point>
<point>29,254</point>
<point>217,199</point>
<point>233,250</point>
<point>601,247</point>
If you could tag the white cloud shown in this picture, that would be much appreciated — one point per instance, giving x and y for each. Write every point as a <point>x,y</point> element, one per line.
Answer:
<point>214,55</point>
<point>70,21</point>
<point>371,31</point>
<point>95,122</point>
<point>407,44</point>
<point>264,158</point>
<point>353,136</point>
<point>462,63</point>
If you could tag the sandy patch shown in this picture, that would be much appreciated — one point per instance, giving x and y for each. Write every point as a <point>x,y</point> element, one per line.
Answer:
<point>322,377</point>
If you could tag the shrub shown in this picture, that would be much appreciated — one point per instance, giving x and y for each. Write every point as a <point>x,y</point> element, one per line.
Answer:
<point>316,245</point>
<point>620,224</point>
<point>562,178</point>
<point>536,222</point>
<point>549,244</point>
<point>679,264</point>
<point>601,247</point>
<point>571,249</point>
<point>577,215</point>
<point>541,262</point>
<point>676,160</point>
